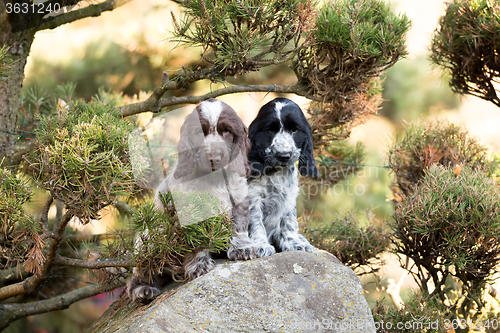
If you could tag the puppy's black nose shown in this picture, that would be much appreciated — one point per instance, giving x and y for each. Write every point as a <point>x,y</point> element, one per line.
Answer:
<point>284,156</point>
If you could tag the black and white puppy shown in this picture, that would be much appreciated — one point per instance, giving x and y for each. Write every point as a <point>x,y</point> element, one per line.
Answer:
<point>279,136</point>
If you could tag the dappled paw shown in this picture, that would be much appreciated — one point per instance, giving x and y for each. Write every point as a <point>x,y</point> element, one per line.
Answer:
<point>199,265</point>
<point>299,246</point>
<point>265,250</point>
<point>242,254</point>
<point>143,294</point>
<point>305,247</point>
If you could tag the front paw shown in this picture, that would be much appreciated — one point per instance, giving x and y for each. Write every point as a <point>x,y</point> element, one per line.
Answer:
<point>242,254</point>
<point>306,247</point>
<point>300,246</point>
<point>200,265</point>
<point>143,294</point>
<point>265,250</point>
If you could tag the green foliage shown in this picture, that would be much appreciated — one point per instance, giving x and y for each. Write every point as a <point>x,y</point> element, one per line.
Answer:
<point>364,30</point>
<point>441,143</point>
<point>82,157</point>
<point>425,315</point>
<point>339,160</point>
<point>239,36</point>
<point>362,35</point>
<point>353,43</point>
<point>4,63</point>
<point>412,90</point>
<point>35,103</point>
<point>19,233</point>
<point>449,227</point>
<point>167,243</point>
<point>466,45</point>
<point>357,244</point>
<point>336,50</point>
<point>14,194</point>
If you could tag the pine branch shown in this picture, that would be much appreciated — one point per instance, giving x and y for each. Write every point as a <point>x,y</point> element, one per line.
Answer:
<point>64,261</point>
<point>90,11</point>
<point>12,312</point>
<point>51,4</point>
<point>35,281</point>
<point>44,218</point>
<point>155,104</point>
<point>12,274</point>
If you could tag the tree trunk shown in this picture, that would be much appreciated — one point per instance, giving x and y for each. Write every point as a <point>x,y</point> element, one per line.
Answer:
<point>17,31</point>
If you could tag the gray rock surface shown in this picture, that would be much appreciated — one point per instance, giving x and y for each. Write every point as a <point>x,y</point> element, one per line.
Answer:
<point>287,292</point>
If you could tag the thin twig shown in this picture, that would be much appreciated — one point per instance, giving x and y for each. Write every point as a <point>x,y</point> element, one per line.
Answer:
<point>35,281</point>
<point>12,311</point>
<point>12,274</point>
<point>44,218</point>
<point>59,211</point>
<point>132,109</point>
<point>90,11</point>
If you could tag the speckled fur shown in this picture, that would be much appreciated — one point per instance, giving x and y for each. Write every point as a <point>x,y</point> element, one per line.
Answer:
<point>280,129</point>
<point>220,151</point>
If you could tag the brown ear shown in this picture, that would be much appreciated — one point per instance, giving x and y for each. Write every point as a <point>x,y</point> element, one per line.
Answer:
<point>191,133</point>
<point>242,146</point>
<point>245,149</point>
<point>184,164</point>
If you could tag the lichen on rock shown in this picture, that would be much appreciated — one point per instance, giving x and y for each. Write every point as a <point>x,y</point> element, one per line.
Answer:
<point>263,295</point>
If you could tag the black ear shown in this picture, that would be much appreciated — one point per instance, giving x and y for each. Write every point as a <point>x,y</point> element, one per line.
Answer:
<point>256,165</point>
<point>255,160</point>
<point>307,164</point>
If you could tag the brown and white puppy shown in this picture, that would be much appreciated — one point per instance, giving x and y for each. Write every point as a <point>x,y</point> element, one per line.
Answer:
<point>212,151</point>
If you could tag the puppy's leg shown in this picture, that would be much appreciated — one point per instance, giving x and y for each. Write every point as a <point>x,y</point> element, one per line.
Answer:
<point>257,231</point>
<point>288,238</point>
<point>198,264</point>
<point>143,288</point>
<point>242,248</point>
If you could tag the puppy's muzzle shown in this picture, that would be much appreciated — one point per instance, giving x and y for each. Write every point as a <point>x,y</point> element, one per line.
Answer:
<point>284,156</point>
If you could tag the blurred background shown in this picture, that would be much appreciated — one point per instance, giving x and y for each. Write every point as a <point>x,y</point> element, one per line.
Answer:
<point>127,50</point>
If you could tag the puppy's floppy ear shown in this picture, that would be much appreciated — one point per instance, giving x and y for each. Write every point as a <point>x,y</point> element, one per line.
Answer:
<point>307,164</point>
<point>186,161</point>
<point>241,142</point>
<point>245,149</point>
<point>187,145</point>
<point>256,165</point>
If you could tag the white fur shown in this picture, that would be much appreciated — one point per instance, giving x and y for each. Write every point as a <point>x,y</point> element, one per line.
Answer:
<point>277,108</point>
<point>211,110</point>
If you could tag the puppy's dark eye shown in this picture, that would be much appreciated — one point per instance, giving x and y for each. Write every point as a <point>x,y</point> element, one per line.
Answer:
<point>226,132</point>
<point>294,129</point>
<point>273,128</point>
